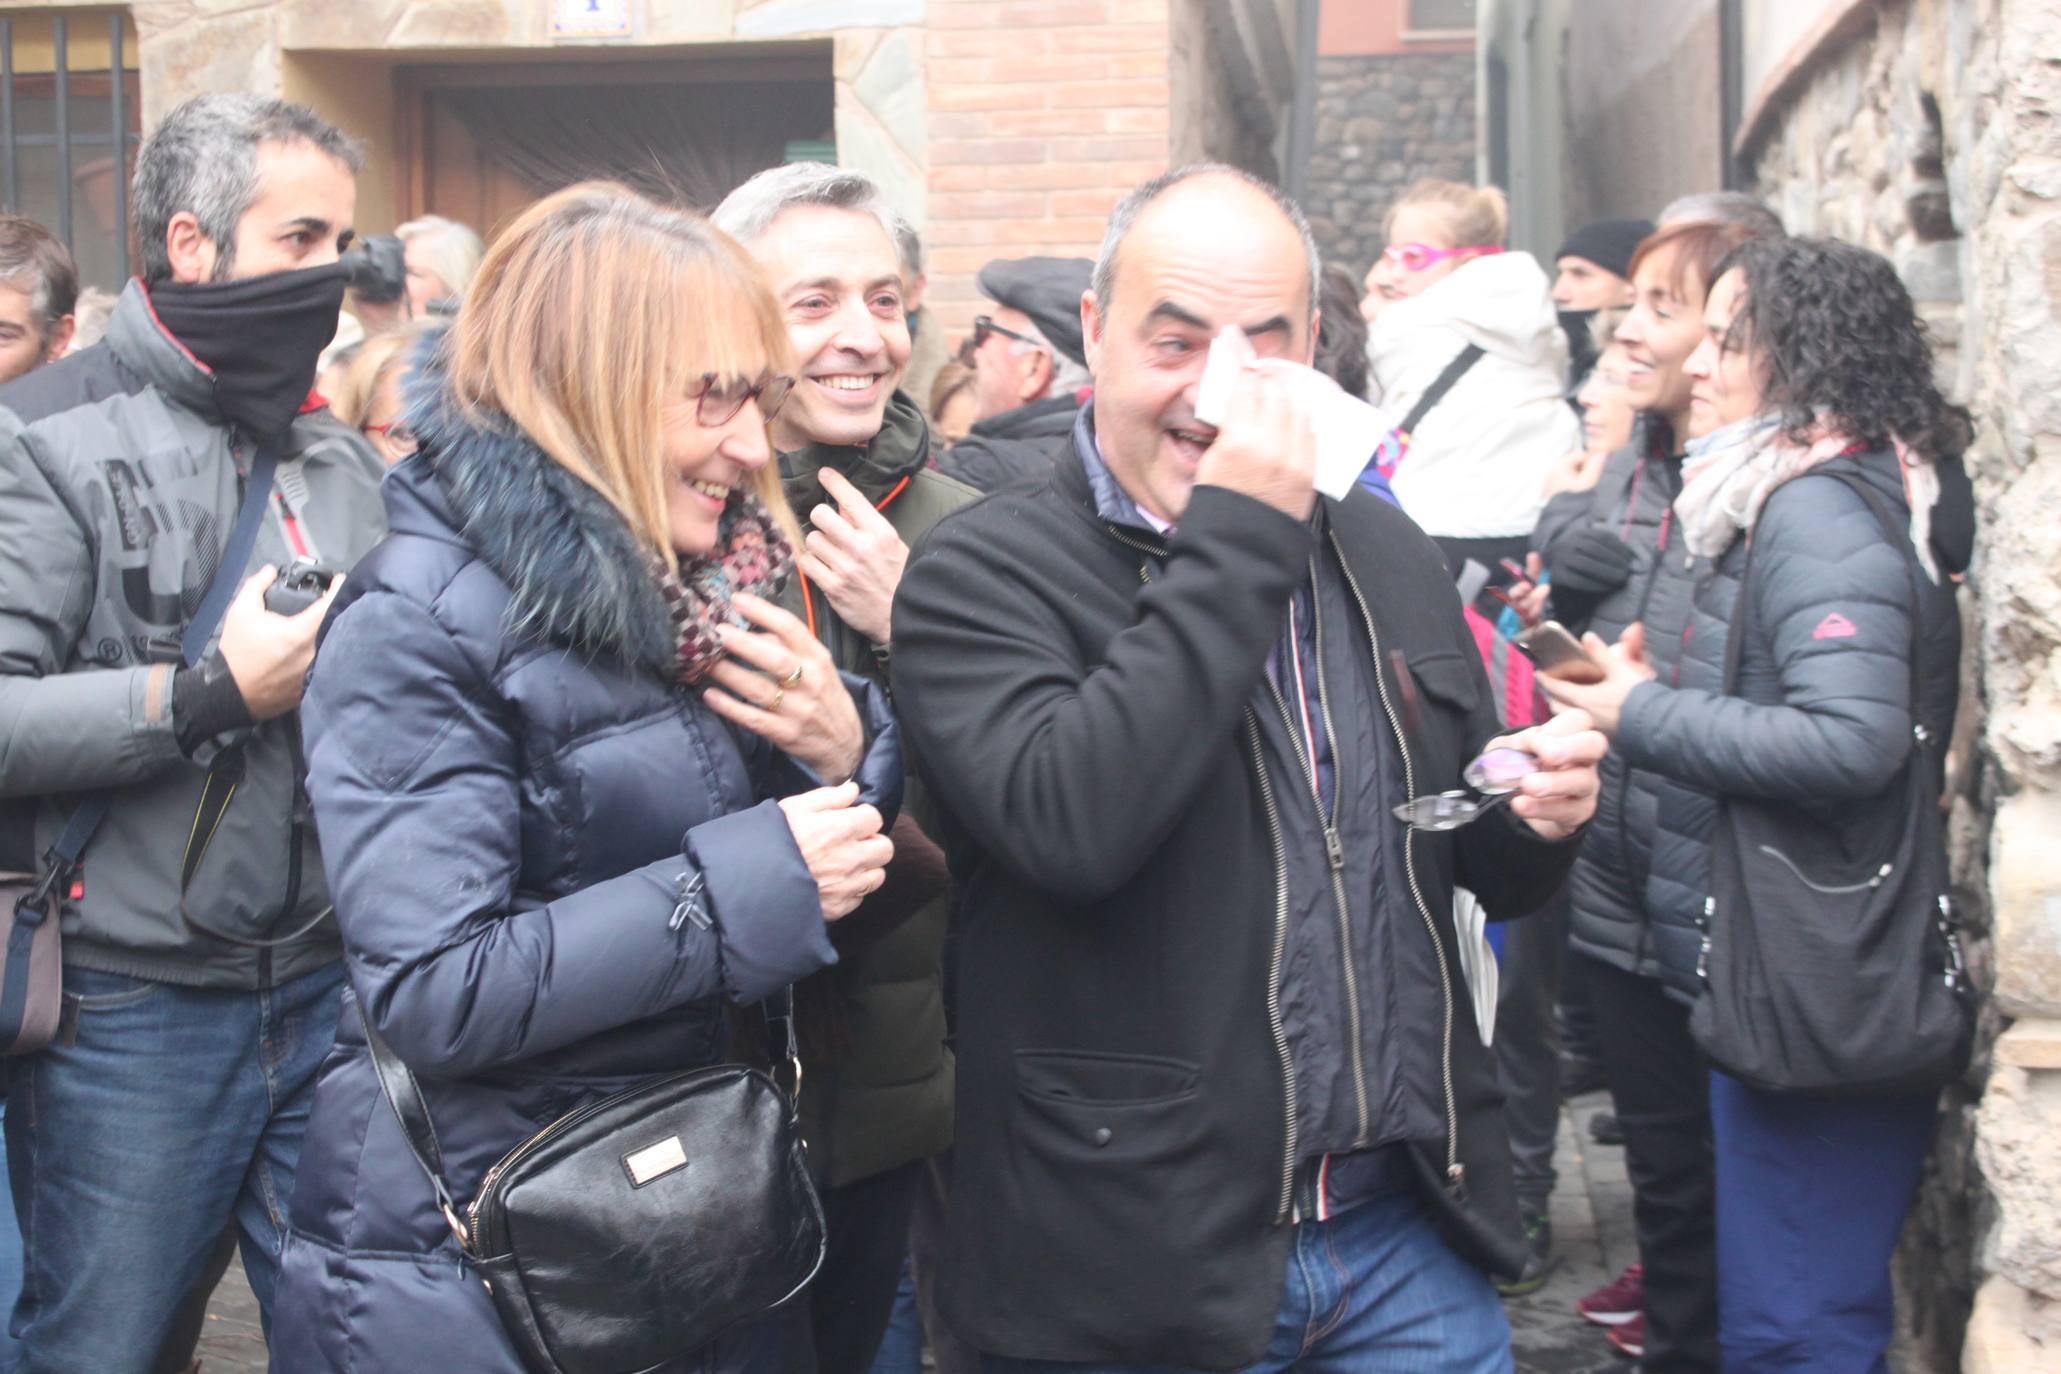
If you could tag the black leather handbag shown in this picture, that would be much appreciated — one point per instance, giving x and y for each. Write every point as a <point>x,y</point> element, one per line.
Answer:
<point>1831,960</point>
<point>631,1232</point>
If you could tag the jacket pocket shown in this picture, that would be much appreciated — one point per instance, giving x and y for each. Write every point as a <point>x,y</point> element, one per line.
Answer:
<point>1105,1134</point>
<point>1447,678</point>
<point>1850,879</point>
<point>1110,1080</point>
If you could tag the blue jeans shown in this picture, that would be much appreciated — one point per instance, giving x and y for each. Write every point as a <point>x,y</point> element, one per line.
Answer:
<point>1372,1292</point>
<point>901,1348</point>
<point>10,1269</point>
<point>173,1113</point>
<point>1811,1196</point>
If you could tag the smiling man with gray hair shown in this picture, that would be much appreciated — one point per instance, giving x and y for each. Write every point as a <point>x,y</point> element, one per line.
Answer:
<point>855,463</point>
<point>148,489</point>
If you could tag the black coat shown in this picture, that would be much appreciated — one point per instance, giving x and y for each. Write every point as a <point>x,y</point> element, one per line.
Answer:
<point>1080,705</point>
<point>1633,499</point>
<point>515,800</point>
<point>1014,448</point>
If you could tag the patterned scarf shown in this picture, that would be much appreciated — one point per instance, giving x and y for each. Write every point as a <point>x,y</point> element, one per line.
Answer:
<point>1730,474</point>
<point>751,555</point>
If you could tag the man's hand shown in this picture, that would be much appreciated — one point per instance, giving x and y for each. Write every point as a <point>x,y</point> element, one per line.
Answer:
<point>1266,447</point>
<point>1602,703</point>
<point>267,653</point>
<point>1560,797</point>
<point>841,843</point>
<point>855,556</point>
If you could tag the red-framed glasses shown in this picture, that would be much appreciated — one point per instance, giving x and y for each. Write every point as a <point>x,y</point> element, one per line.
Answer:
<point>1415,257</point>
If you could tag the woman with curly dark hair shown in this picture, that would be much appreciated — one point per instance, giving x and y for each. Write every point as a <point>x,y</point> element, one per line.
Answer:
<point>1813,365</point>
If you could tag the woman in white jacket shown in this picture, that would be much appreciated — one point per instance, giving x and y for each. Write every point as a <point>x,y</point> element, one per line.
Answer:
<point>1472,471</point>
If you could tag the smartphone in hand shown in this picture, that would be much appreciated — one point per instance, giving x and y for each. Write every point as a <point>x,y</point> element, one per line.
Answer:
<point>1558,654</point>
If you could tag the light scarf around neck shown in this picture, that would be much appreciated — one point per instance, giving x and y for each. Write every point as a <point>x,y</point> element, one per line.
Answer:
<point>751,555</point>
<point>1730,473</point>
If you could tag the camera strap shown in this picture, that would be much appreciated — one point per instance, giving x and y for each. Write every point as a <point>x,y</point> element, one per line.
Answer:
<point>218,789</point>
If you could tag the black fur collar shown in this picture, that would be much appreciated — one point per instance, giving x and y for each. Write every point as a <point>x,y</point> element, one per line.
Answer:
<point>579,577</point>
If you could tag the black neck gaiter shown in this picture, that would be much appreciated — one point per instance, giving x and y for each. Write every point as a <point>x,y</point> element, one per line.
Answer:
<point>261,338</point>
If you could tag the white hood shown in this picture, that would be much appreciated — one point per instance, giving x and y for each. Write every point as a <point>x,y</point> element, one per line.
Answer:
<point>1479,457</point>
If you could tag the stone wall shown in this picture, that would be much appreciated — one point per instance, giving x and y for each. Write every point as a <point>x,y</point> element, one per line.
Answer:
<point>1382,122</point>
<point>1927,133</point>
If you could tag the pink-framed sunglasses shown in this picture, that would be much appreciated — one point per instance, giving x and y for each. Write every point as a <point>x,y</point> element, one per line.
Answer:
<point>1415,257</point>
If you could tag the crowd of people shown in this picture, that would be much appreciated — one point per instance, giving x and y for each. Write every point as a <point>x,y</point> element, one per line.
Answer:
<point>1169,901</point>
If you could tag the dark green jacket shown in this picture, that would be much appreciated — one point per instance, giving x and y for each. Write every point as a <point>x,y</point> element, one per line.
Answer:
<point>877,1087</point>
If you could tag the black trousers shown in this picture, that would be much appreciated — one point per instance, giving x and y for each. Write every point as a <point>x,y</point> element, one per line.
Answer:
<point>1528,1048</point>
<point>836,1326</point>
<point>1661,1090</point>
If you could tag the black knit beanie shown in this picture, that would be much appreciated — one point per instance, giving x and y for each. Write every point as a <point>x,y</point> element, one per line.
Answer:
<point>1609,243</point>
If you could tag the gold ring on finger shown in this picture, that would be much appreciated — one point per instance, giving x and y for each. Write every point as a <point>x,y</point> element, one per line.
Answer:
<point>794,678</point>
<point>779,695</point>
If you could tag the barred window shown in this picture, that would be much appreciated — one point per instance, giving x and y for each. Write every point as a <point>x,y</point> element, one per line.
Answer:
<point>70,125</point>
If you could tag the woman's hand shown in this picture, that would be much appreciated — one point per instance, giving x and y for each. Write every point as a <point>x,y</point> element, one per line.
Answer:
<point>1578,471</point>
<point>1624,667</point>
<point>782,685</point>
<point>841,843</point>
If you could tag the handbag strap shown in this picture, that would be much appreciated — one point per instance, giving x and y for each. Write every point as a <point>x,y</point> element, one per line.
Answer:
<point>1444,382</point>
<point>404,1094</point>
<point>1898,539</point>
<point>63,859</point>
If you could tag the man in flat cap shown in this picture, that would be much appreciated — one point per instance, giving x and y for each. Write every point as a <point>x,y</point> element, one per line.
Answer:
<point>1030,370</point>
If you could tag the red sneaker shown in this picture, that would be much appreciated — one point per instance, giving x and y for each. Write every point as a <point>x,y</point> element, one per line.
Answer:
<point>1618,1301</point>
<point>1629,1338</point>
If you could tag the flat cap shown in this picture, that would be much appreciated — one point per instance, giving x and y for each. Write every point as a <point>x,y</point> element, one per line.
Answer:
<point>1046,289</point>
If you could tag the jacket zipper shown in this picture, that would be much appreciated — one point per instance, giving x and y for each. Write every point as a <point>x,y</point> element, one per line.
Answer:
<point>1456,1172</point>
<point>1274,1018</point>
<point>1275,1022</point>
<point>1334,856</point>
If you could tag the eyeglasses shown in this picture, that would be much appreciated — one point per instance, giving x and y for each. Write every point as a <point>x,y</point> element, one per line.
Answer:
<point>396,435</point>
<point>984,325</point>
<point>720,398</point>
<point>1415,257</point>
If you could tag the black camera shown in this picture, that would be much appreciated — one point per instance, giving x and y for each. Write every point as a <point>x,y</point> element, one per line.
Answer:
<point>379,269</point>
<point>300,586</point>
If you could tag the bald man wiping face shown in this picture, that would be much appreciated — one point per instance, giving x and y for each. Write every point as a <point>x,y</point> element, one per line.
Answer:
<point>1209,251</point>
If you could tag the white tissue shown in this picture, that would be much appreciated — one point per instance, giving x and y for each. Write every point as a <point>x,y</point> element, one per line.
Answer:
<point>1348,429</point>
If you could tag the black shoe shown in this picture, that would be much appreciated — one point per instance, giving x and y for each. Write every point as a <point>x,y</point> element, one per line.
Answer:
<point>1538,1240</point>
<point>1604,1128</point>
<point>1580,1074</point>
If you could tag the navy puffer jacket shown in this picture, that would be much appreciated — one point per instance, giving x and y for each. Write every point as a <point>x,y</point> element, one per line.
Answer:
<point>1822,713</point>
<point>514,799</point>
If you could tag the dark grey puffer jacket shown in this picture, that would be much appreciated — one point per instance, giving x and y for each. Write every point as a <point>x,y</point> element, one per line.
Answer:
<point>119,479</point>
<point>1822,712</point>
<point>1633,500</point>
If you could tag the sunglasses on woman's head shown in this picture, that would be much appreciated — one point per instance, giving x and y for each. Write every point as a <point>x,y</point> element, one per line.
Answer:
<point>1415,257</point>
<point>720,398</point>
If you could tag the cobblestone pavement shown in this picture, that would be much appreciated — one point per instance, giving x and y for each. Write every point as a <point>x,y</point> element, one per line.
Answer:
<point>1592,1232</point>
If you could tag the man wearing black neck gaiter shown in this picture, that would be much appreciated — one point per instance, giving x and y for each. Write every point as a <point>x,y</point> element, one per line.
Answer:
<point>201,970</point>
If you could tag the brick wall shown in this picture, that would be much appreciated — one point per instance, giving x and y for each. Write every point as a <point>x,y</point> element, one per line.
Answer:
<point>1042,114</point>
